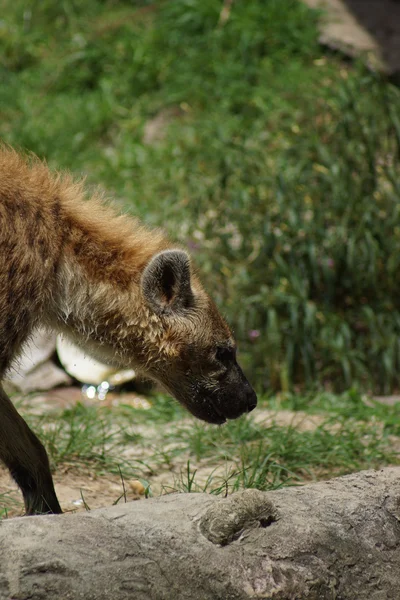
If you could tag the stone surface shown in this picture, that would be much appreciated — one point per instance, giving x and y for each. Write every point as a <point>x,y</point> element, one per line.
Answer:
<point>366,28</point>
<point>337,539</point>
<point>34,370</point>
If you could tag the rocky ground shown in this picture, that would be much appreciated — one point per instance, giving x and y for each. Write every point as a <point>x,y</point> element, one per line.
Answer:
<point>334,539</point>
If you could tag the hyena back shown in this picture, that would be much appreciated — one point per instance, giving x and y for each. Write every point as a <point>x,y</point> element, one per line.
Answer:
<point>125,293</point>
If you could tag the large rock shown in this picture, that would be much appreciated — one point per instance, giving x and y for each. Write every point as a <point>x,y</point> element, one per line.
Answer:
<point>338,539</point>
<point>366,28</point>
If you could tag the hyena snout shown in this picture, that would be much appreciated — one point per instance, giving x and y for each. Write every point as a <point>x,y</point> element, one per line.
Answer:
<point>230,399</point>
<point>235,399</point>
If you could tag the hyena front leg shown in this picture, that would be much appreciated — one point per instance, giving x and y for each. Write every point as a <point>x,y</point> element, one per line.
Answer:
<point>26,458</point>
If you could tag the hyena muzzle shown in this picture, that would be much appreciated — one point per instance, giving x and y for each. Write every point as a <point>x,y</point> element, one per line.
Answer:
<point>123,292</point>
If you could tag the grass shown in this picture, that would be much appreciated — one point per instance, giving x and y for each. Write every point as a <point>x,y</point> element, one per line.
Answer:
<point>350,405</point>
<point>89,436</point>
<point>267,455</point>
<point>162,444</point>
<point>7,503</point>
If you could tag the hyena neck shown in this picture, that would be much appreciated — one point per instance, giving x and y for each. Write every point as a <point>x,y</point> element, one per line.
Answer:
<point>98,300</point>
<point>110,322</point>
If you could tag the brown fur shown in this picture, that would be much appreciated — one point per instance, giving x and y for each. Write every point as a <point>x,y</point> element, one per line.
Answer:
<point>73,264</point>
<point>51,236</point>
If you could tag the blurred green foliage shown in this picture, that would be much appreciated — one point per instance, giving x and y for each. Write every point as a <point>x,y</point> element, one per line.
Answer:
<point>276,164</point>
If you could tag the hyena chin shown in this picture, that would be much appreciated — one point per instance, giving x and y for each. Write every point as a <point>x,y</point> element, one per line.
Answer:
<point>124,292</point>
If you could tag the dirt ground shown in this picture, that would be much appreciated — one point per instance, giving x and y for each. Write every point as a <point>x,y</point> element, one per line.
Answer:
<point>79,488</point>
<point>72,487</point>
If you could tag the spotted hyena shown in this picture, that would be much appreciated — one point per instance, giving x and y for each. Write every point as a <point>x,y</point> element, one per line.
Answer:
<point>124,292</point>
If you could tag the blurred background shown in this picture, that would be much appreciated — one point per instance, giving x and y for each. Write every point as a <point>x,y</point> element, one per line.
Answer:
<point>273,157</point>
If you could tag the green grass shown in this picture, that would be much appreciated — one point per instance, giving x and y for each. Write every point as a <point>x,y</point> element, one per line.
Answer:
<point>91,437</point>
<point>7,503</point>
<point>165,409</point>
<point>349,405</point>
<point>347,435</point>
<point>265,455</point>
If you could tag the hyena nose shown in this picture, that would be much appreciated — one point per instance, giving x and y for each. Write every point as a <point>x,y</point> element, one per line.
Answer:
<point>251,401</point>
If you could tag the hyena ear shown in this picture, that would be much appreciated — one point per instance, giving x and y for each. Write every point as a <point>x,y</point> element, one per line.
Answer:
<point>166,282</point>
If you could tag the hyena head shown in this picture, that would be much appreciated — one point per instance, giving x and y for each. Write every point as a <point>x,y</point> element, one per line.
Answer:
<point>196,359</point>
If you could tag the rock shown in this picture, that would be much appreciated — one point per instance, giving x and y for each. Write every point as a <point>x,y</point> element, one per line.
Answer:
<point>360,28</point>
<point>34,370</point>
<point>137,487</point>
<point>337,539</point>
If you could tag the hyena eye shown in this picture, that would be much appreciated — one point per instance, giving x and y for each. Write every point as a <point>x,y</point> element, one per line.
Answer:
<point>225,355</point>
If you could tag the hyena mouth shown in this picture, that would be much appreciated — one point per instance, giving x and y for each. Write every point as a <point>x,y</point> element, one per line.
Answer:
<point>218,411</point>
<point>216,408</point>
<point>234,407</point>
<point>205,410</point>
<point>218,417</point>
<point>208,413</point>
